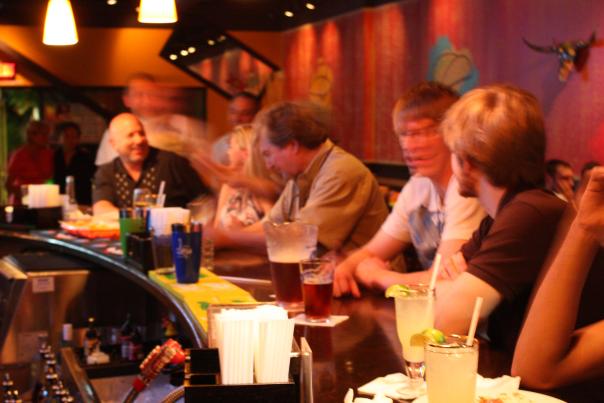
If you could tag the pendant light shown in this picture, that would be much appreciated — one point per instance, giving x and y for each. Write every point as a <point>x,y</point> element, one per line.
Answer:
<point>157,11</point>
<point>59,25</point>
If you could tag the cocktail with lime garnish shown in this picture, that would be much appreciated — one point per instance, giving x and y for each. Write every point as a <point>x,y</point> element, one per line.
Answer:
<point>451,366</point>
<point>414,306</point>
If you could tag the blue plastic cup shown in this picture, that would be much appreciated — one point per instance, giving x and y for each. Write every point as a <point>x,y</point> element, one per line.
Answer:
<point>186,254</point>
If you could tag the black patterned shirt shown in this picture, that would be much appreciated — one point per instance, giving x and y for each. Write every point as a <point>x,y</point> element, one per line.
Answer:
<point>113,183</point>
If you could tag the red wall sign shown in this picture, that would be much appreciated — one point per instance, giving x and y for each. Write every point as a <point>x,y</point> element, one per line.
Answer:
<point>8,70</point>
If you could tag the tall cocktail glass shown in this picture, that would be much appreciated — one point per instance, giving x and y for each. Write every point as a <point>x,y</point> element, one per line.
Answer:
<point>451,370</point>
<point>287,244</point>
<point>414,314</point>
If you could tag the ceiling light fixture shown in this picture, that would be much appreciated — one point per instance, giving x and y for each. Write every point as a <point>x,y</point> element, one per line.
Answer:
<point>112,2</point>
<point>157,12</point>
<point>173,57</point>
<point>59,25</point>
<point>211,42</point>
<point>191,49</point>
<point>184,52</point>
<point>288,13</point>
<point>310,6</point>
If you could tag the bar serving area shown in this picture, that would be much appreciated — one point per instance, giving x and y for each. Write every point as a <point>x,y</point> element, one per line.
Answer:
<point>358,350</point>
<point>301,201</point>
<point>78,278</point>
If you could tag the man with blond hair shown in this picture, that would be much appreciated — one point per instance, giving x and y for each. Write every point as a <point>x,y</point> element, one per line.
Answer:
<point>429,212</point>
<point>497,138</point>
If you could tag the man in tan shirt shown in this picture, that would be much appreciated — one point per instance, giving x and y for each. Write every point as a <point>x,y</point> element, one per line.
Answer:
<point>326,185</point>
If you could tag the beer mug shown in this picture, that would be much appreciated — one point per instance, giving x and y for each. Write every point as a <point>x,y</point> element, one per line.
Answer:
<point>287,244</point>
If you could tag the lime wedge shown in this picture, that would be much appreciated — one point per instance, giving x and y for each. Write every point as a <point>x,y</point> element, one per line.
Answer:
<point>397,289</point>
<point>428,335</point>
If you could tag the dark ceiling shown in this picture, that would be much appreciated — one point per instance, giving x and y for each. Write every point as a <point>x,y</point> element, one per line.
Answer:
<point>261,15</point>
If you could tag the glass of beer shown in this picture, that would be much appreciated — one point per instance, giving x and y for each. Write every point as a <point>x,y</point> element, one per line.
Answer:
<point>317,285</point>
<point>414,314</point>
<point>287,244</point>
<point>451,370</point>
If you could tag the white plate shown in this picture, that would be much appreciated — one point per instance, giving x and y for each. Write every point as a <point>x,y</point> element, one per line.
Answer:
<point>533,396</point>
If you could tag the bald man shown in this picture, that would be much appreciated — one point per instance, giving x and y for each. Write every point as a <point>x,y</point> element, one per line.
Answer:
<point>140,166</point>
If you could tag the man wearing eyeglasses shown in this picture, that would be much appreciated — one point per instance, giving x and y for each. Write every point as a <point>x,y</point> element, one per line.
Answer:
<point>429,212</point>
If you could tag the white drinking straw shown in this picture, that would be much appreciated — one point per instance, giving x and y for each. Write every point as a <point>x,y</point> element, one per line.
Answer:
<point>474,321</point>
<point>160,194</point>
<point>435,271</point>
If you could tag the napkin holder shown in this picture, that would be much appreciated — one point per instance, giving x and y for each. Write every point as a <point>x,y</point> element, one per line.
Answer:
<point>38,218</point>
<point>202,374</point>
<point>162,251</point>
<point>140,251</point>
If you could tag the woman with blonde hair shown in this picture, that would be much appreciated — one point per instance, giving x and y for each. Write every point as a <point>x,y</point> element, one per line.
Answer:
<point>238,205</point>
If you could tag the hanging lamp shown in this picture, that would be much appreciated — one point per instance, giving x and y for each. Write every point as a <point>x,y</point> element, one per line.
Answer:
<point>157,11</point>
<point>59,25</point>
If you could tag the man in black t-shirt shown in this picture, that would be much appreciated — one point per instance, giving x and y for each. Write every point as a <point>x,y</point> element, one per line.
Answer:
<point>141,166</point>
<point>497,138</point>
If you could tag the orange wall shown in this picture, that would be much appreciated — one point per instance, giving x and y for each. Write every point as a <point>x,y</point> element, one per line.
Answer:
<point>107,56</point>
<point>102,57</point>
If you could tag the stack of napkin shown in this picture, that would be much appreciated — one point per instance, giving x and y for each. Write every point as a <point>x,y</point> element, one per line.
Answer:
<point>39,196</point>
<point>162,218</point>
<point>254,341</point>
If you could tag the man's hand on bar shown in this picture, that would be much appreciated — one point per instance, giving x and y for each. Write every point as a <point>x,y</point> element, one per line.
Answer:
<point>344,282</point>
<point>371,271</point>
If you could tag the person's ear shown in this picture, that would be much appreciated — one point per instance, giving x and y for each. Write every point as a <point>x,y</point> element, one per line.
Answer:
<point>467,165</point>
<point>126,99</point>
<point>294,146</point>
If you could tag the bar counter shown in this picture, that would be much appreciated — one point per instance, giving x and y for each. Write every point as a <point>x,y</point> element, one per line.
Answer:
<point>349,355</point>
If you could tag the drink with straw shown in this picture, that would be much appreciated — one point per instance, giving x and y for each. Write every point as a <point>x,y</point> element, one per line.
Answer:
<point>414,306</point>
<point>452,364</point>
<point>451,370</point>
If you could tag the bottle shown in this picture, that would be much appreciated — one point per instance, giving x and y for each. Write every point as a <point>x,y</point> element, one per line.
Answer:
<point>16,398</point>
<point>91,341</point>
<point>126,332</point>
<point>136,349</point>
<point>47,390</point>
<point>38,367</point>
<point>70,205</point>
<point>7,388</point>
<point>70,190</point>
<point>67,335</point>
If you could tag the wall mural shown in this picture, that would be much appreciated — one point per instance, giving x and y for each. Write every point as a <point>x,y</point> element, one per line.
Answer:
<point>376,54</point>
<point>452,67</point>
<point>320,84</point>
<point>234,71</point>
<point>570,54</point>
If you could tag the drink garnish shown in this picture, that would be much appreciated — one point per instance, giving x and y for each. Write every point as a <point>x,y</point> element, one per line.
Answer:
<point>397,290</point>
<point>428,335</point>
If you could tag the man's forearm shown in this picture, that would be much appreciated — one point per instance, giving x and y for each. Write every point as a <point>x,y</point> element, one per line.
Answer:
<point>353,260</point>
<point>252,239</point>
<point>392,277</point>
<point>102,207</point>
<point>554,310</point>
